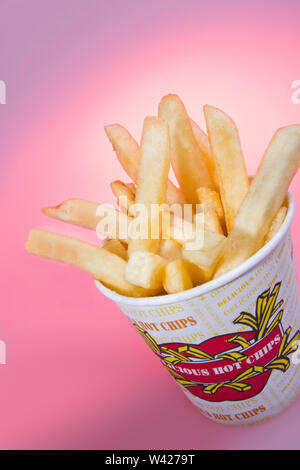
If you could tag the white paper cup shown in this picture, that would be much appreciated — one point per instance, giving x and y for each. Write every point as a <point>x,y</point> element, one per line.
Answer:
<point>230,364</point>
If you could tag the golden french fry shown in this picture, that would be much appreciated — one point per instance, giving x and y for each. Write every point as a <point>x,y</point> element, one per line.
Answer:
<point>112,223</point>
<point>93,216</point>
<point>265,196</point>
<point>152,180</point>
<point>204,261</point>
<point>145,269</point>
<point>192,236</point>
<point>128,153</point>
<point>276,223</point>
<point>174,194</point>
<point>126,148</point>
<point>212,199</point>
<point>116,247</point>
<point>103,265</point>
<point>189,166</point>
<point>229,161</point>
<point>170,250</point>
<point>207,197</point>
<point>203,144</point>
<point>176,277</point>
<point>75,211</point>
<point>210,241</point>
<point>124,194</point>
<point>179,229</point>
<point>132,187</point>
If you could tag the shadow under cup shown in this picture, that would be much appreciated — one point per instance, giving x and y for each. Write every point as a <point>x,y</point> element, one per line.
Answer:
<point>229,343</point>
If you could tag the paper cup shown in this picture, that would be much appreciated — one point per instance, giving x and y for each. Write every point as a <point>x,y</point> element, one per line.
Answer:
<point>227,343</point>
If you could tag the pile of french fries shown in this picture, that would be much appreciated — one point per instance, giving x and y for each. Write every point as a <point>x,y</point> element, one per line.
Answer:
<point>237,216</point>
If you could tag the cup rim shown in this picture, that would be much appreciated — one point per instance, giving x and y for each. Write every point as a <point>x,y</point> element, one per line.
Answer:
<point>226,278</point>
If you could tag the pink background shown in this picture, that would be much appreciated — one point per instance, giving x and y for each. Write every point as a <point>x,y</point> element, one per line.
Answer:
<point>70,67</point>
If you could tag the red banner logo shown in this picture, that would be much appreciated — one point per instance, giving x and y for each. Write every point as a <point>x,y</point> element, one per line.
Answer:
<point>234,366</point>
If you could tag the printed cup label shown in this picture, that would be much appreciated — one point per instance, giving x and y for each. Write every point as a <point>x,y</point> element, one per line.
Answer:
<point>230,350</point>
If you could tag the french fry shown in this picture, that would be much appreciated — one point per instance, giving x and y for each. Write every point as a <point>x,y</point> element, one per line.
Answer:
<point>143,255</point>
<point>179,229</point>
<point>152,180</point>
<point>229,162</point>
<point>176,277</point>
<point>145,269</point>
<point>208,197</point>
<point>170,250</point>
<point>196,274</point>
<point>203,144</point>
<point>276,223</point>
<point>132,187</point>
<point>75,211</point>
<point>112,223</point>
<point>124,195</point>
<point>264,198</point>
<point>91,215</point>
<point>103,265</point>
<point>116,247</point>
<point>189,166</point>
<point>126,148</point>
<point>212,199</point>
<point>203,262</point>
<point>128,153</point>
<point>211,240</point>
<point>192,235</point>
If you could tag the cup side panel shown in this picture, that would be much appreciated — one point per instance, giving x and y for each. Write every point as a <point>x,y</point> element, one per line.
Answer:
<point>225,348</point>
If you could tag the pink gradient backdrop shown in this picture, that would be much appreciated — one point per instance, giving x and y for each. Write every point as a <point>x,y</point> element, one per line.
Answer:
<point>70,67</point>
